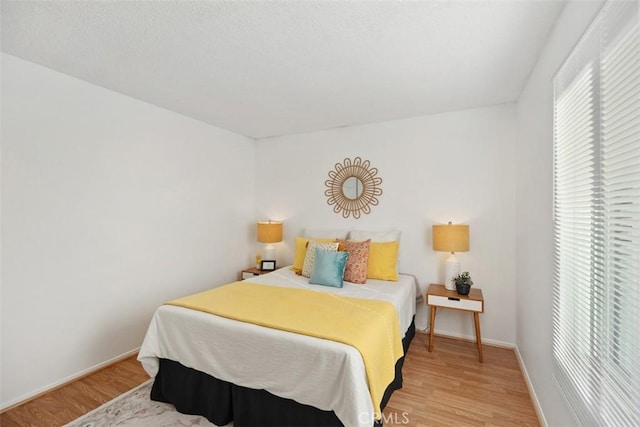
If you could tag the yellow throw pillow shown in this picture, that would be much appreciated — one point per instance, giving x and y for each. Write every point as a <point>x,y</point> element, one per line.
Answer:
<point>301,251</point>
<point>383,261</point>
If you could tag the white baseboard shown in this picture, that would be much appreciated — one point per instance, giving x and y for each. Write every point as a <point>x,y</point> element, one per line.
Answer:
<point>532,392</point>
<point>488,341</point>
<point>46,389</point>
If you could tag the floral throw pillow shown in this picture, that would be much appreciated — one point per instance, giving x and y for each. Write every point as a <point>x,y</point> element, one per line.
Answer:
<point>310,257</point>
<point>358,261</point>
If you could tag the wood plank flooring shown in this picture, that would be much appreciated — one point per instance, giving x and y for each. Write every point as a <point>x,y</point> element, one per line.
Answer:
<point>447,387</point>
<point>69,402</point>
<point>450,387</point>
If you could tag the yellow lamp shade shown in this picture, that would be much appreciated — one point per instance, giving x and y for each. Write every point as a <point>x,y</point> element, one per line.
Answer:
<point>451,238</point>
<point>269,232</point>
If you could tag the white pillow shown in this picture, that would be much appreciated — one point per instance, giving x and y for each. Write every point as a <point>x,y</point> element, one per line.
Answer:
<point>375,236</point>
<point>313,233</point>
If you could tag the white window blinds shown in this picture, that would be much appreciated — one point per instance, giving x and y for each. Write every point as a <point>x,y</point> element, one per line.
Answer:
<point>596,312</point>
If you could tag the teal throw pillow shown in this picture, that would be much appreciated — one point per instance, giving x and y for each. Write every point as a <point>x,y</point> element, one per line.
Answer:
<point>328,269</point>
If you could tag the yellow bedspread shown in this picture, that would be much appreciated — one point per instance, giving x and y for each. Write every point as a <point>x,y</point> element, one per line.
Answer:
<point>370,326</point>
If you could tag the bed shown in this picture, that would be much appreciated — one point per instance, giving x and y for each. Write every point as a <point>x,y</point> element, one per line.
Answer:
<point>233,371</point>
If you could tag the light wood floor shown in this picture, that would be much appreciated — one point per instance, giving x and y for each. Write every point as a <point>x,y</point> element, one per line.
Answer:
<point>67,403</point>
<point>450,387</point>
<point>447,387</point>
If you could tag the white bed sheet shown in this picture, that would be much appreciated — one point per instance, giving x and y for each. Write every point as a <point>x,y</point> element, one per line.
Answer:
<point>312,371</point>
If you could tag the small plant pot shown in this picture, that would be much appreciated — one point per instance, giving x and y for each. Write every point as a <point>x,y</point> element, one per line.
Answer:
<point>463,289</point>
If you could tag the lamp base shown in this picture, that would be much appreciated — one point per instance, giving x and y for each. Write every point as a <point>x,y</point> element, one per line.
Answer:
<point>269,253</point>
<point>451,270</point>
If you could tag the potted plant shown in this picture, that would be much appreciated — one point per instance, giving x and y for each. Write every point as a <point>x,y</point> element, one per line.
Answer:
<point>463,283</point>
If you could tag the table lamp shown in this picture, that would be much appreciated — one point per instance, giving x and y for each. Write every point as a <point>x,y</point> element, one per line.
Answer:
<point>269,232</point>
<point>451,238</point>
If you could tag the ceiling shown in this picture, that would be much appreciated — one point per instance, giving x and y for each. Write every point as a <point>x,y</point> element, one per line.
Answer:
<point>266,68</point>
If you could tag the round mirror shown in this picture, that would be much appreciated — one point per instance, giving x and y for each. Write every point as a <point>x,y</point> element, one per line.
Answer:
<point>353,187</point>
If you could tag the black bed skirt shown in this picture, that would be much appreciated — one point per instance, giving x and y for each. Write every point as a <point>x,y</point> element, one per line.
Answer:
<point>221,402</point>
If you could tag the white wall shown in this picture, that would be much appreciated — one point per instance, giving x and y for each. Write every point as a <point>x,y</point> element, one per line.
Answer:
<point>534,211</point>
<point>456,166</point>
<point>110,206</point>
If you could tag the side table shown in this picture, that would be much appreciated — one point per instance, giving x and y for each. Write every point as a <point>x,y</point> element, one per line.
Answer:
<point>248,273</point>
<point>439,296</point>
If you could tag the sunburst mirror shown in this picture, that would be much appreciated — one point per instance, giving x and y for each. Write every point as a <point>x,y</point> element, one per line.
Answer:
<point>353,187</point>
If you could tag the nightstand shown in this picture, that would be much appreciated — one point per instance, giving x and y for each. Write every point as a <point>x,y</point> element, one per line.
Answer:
<point>248,273</point>
<point>439,296</point>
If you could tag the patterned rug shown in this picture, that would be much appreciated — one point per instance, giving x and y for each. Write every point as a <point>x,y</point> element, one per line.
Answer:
<point>136,409</point>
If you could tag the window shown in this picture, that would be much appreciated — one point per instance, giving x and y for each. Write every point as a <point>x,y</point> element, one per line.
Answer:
<point>596,312</point>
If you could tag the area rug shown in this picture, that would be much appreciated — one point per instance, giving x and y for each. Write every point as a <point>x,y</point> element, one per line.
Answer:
<point>135,409</point>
